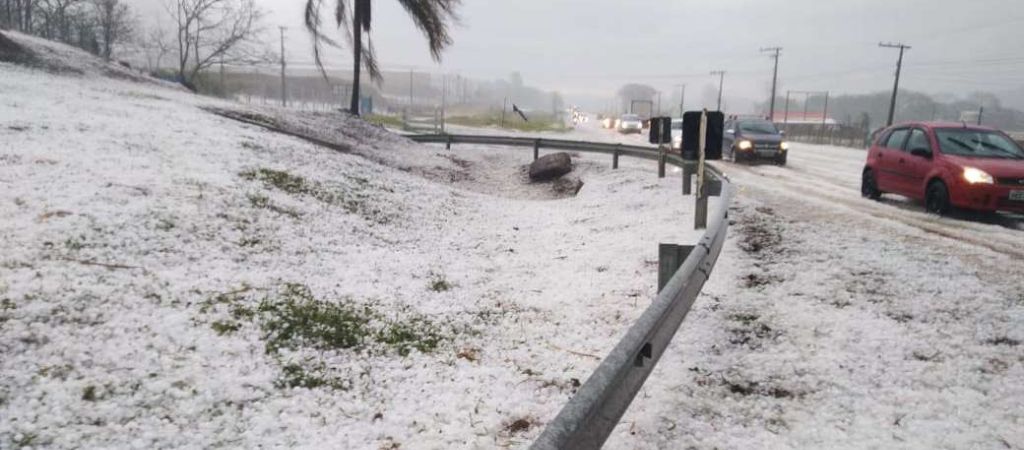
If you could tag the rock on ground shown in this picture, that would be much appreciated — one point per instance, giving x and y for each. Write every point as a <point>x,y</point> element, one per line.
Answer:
<point>549,167</point>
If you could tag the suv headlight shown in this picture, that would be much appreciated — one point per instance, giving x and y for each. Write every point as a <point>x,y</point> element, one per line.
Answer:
<point>977,176</point>
<point>745,145</point>
<point>784,145</point>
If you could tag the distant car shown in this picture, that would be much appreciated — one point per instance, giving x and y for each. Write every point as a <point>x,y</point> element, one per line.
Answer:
<point>677,133</point>
<point>630,123</point>
<point>753,139</point>
<point>948,165</point>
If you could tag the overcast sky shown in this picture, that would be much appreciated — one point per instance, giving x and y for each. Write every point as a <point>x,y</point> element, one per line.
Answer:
<point>591,47</point>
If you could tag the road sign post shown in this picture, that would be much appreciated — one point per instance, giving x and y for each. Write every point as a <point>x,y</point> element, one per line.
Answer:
<point>701,211</point>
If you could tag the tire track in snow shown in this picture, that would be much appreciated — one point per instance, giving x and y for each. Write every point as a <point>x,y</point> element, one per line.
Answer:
<point>826,194</point>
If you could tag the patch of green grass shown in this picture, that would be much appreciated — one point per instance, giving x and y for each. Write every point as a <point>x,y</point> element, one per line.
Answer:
<point>295,376</point>
<point>354,201</point>
<point>296,318</point>
<point>22,440</point>
<point>250,242</point>
<point>89,393</point>
<point>165,225</point>
<point>5,306</point>
<point>293,318</point>
<point>384,121</point>
<point>438,283</point>
<point>744,318</point>
<point>263,202</point>
<point>223,327</point>
<point>292,184</point>
<point>74,244</point>
<point>415,333</point>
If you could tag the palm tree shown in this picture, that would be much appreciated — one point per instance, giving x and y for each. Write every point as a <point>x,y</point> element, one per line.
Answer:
<point>430,16</point>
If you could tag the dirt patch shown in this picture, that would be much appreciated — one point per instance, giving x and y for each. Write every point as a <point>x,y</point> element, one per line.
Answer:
<point>521,425</point>
<point>747,388</point>
<point>754,280</point>
<point>760,234</point>
<point>1003,340</point>
<point>567,186</point>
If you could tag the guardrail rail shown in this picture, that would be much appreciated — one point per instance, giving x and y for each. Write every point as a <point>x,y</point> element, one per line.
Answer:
<point>590,416</point>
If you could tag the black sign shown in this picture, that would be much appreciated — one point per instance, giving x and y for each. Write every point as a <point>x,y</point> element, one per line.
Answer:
<point>661,130</point>
<point>712,140</point>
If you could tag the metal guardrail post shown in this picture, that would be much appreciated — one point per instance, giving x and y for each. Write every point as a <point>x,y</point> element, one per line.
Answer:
<point>687,179</point>
<point>448,142</point>
<point>615,159</point>
<point>670,257</point>
<point>662,157</point>
<point>536,149</point>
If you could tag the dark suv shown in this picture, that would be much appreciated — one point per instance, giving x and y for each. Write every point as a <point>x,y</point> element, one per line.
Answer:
<point>753,139</point>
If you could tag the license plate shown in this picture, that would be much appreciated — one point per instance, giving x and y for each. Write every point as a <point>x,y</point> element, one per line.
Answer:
<point>1017,196</point>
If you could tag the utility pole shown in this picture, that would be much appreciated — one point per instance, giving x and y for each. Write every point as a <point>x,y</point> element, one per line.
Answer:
<point>504,105</point>
<point>682,99</point>
<point>444,97</point>
<point>721,80</point>
<point>775,77</point>
<point>896,85</point>
<point>824,117</point>
<point>284,82</point>
<point>785,117</point>
<point>410,89</point>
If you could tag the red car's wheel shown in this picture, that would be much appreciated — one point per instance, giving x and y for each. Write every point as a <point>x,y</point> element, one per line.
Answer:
<point>936,198</point>
<point>868,186</point>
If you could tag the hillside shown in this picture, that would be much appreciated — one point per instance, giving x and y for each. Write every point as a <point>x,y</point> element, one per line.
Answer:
<point>173,278</point>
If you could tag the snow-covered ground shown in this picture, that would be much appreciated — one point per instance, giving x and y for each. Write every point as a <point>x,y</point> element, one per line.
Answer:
<point>173,278</point>
<point>837,322</point>
<point>170,278</point>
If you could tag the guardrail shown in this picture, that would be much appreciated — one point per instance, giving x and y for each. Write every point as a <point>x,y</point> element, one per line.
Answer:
<point>590,416</point>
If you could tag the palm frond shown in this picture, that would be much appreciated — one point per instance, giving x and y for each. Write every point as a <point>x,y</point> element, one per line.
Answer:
<point>432,18</point>
<point>315,27</point>
<point>370,62</point>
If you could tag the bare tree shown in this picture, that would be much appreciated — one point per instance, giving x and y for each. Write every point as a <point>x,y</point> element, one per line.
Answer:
<point>115,23</point>
<point>17,14</point>
<point>155,46</point>
<point>212,31</point>
<point>59,19</point>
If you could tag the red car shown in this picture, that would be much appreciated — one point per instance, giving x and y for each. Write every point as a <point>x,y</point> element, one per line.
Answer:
<point>948,165</point>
